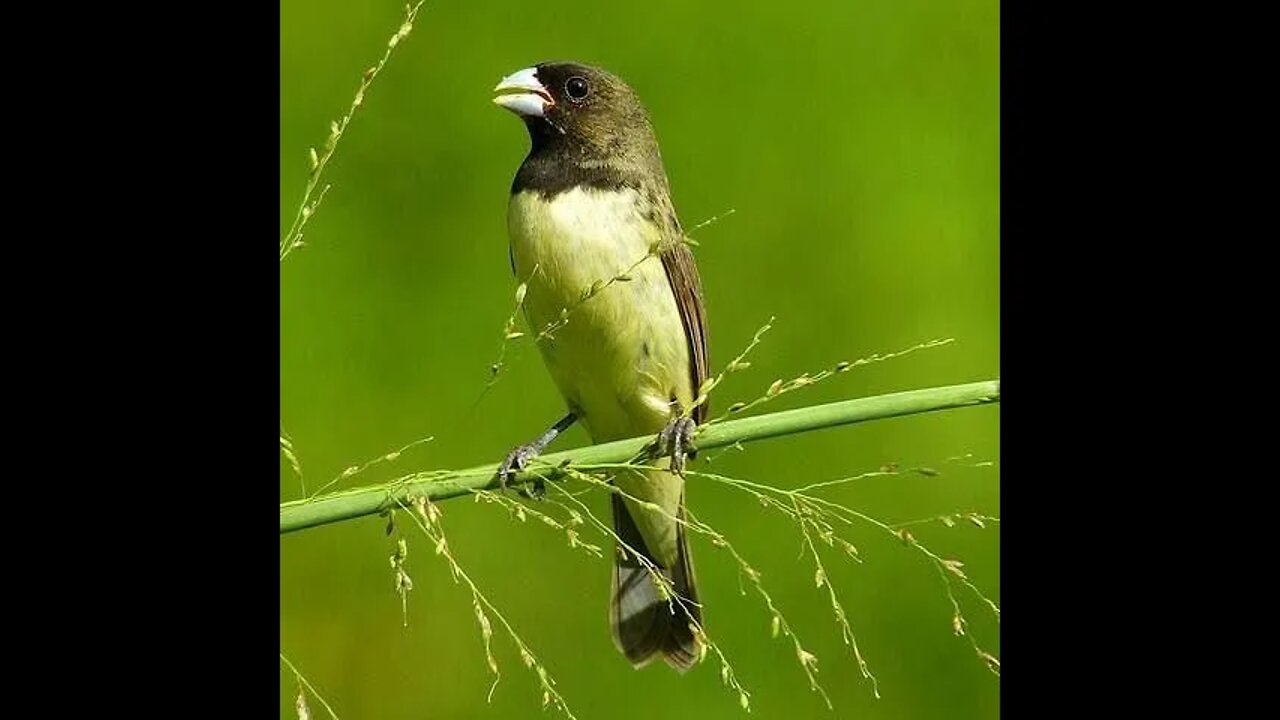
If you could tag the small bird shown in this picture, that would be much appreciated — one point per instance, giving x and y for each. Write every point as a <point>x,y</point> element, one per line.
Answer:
<point>590,216</point>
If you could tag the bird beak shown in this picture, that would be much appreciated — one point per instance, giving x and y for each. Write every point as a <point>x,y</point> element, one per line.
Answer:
<point>524,95</point>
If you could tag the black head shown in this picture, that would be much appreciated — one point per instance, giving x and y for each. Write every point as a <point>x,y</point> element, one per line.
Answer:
<point>586,108</point>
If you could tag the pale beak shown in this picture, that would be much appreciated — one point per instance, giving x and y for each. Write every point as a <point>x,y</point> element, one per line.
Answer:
<point>524,95</point>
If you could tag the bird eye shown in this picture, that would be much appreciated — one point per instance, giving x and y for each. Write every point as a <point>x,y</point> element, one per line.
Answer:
<point>576,88</point>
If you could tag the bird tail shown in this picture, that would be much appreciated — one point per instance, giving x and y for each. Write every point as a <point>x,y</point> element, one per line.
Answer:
<point>644,624</point>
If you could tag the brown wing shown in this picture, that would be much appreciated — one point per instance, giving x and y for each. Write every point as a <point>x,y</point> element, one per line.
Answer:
<point>682,273</point>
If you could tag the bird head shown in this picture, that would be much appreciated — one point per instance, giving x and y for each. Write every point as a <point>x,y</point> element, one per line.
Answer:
<point>575,102</point>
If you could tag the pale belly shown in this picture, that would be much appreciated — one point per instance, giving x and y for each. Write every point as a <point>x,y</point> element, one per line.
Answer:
<point>621,357</point>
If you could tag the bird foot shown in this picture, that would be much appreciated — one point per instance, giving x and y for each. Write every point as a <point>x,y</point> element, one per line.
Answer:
<point>676,441</point>
<point>517,460</point>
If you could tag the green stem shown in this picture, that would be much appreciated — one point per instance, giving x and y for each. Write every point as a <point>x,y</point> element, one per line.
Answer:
<point>358,502</point>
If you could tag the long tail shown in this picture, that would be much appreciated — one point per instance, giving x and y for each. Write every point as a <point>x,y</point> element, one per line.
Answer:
<point>643,623</point>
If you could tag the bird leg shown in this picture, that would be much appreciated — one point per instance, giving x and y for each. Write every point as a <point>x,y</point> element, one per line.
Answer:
<point>676,441</point>
<point>520,456</point>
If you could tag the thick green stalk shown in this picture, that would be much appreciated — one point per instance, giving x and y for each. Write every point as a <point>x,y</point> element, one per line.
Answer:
<point>347,504</point>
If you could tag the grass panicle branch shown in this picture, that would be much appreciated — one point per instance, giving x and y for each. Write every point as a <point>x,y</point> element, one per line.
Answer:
<point>821,515</point>
<point>286,449</point>
<point>319,160</point>
<point>427,516</point>
<point>781,387</point>
<point>300,705</point>
<point>522,512</point>
<point>821,578</point>
<point>355,470</point>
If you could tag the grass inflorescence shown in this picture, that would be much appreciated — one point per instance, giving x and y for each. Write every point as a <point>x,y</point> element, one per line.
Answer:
<point>427,516</point>
<point>319,159</point>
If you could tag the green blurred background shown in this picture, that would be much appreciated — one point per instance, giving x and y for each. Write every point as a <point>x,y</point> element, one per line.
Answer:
<point>858,143</point>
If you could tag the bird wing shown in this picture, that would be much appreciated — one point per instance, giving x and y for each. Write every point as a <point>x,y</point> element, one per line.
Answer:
<point>682,273</point>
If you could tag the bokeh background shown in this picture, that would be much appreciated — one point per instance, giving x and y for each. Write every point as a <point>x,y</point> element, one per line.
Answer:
<point>858,143</point>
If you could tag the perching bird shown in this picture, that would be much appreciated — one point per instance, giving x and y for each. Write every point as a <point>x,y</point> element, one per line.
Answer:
<point>590,215</point>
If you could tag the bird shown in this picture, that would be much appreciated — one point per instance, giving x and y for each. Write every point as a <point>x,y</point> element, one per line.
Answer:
<point>607,269</point>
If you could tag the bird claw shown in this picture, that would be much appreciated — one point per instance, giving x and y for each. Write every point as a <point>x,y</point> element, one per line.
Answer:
<point>676,441</point>
<point>517,460</point>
